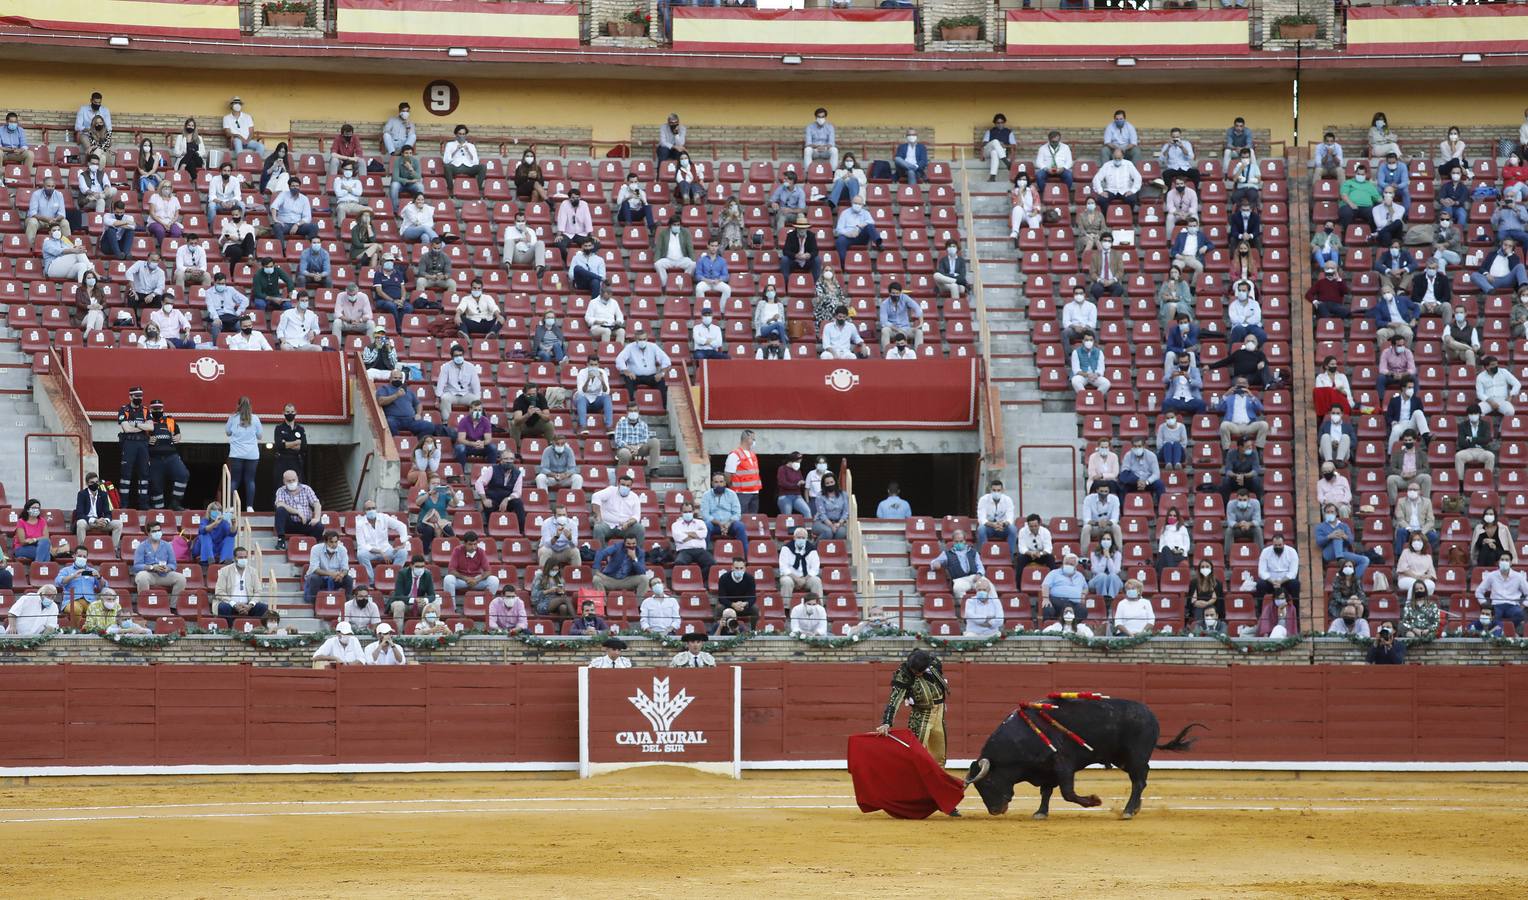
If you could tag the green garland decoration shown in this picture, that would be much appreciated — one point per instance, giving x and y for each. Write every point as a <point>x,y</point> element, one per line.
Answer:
<point>713,645</point>
<point>1367,642</point>
<point>828,642</point>
<point>550,643</point>
<point>12,643</point>
<point>963,644</point>
<point>262,641</point>
<point>1260,646</point>
<point>1108,644</point>
<point>141,641</point>
<point>426,641</point>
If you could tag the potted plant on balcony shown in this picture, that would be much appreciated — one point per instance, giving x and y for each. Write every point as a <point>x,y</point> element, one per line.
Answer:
<point>1299,27</point>
<point>286,13</point>
<point>960,28</point>
<point>633,24</point>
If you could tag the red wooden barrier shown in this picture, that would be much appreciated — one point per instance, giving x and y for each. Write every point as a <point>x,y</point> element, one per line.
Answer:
<point>69,715</point>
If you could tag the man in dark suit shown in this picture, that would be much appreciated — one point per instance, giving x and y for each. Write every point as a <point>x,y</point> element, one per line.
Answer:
<point>92,514</point>
<point>1394,264</point>
<point>1476,443</point>
<point>911,161</point>
<point>952,274</point>
<point>1433,292</point>
<point>799,253</point>
<point>1244,224</point>
<point>1106,270</point>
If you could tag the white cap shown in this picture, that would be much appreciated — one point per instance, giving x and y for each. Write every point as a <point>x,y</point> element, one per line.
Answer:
<point>344,628</point>
<point>384,628</point>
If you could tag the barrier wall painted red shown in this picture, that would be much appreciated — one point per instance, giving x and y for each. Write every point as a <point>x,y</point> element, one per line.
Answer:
<point>200,385</point>
<point>166,715</point>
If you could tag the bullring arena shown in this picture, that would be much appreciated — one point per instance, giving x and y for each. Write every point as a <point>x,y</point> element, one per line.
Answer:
<point>453,448</point>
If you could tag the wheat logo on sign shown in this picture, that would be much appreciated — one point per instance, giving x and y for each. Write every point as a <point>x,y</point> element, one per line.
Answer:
<point>842,380</point>
<point>207,369</point>
<point>661,710</point>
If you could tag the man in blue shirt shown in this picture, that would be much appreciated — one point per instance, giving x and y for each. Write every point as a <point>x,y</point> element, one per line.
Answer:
<point>402,412</point>
<point>313,268</point>
<point>78,584</point>
<point>711,272</point>
<point>787,201</point>
<point>1120,135</point>
<point>86,114</point>
<point>621,566</point>
<point>893,507</point>
<point>900,314</point>
<point>387,290</point>
<point>154,566</point>
<point>1062,588</point>
<point>45,211</point>
<point>721,510</point>
<point>14,149</point>
<point>855,228</point>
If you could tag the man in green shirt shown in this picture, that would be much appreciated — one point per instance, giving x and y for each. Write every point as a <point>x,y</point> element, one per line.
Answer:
<point>271,287</point>
<point>1359,195</point>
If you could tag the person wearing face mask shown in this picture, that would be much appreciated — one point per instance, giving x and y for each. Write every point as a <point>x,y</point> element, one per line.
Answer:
<point>1332,389</point>
<point>961,564</point>
<point>631,203</point>
<point>314,268</point>
<point>104,611</point>
<point>643,363</point>
<point>407,177</point>
<point>1327,160</point>
<point>93,187</point>
<point>1475,443</point>
<point>706,337</point>
<point>586,268</point>
<point>1414,517</point>
<point>529,416</point>
<point>1101,511</point>
<point>292,213</point>
<point>297,329</point>
<point>1414,568</point>
<point>398,131</point>
<point>45,211</point>
<point>1172,442</point>
<point>1405,412</point>
<point>1358,197</point>
<point>659,612</point>
<point>78,584</point>
<point>523,245</point>
<point>618,511</point>
<point>1491,540</point>
<point>769,317</point>
<point>270,285</point>
<point>1079,318</point>
<point>1105,270</point>
<point>1278,571</point>
<point>1496,387</point>
<point>821,141</point>
<point>297,509</point>
<point>469,569</point>
<point>983,612</point>
<point>400,407</point>
<point>164,214</point>
<point>1408,464</point>
<point>530,180</point>
<point>64,259</point>
<point>1053,160</point>
<point>416,221</point>
<point>34,613</point>
<point>1179,164</point>
<point>558,470</point>
<point>830,517</point>
<point>901,315</point>
<point>1244,520</point>
<point>1068,624</point>
<point>352,315</point>
<point>1281,618</point>
<point>1206,596</point>
<point>346,153</point>
<point>1506,590</point>
<point>790,485</point>
<point>154,566</point>
<point>93,513</point>
<point>458,381</point>
<point>90,299</point>
<point>146,283</point>
<point>168,474</point>
<point>688,535</point>
<point>1088,366</point>
<point>1502,269</point>
<point>375,534</point>
<point>634,442</point>
<point>1105,563</point>
<point>800,566</point>
<point>347,191</point>
<point>1336,439</point>
<point>855,228</point>
<point>343,648</point>
<point>689,180</point>
<point>849,181</point>
<point>117,231</point>
<point>1064,588</point>
<point>1140,471</point>
<point>14,149</point>
<point>1389,219</point>
<point>711,273</point>
<point>910,162</point>
<point>1329,295</point>
<point>507,614</point>
<point>1182,202</point>
<point>787,201</point>
<point>431,624</point>
<point>722,511</point>
<point>239,129</point>
<point>1182,343</point>
<point>737,590</point>
<point>461,159</point>
<point>1174,543</point>
<point>1035,547</point>
<point>1420,615</point>
<point>474,436</point>
<point>1336,540</point>
<point>1117,181</point>
<point>1133,613</point>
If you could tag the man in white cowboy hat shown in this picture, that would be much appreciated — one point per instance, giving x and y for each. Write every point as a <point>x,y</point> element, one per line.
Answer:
<point>342,648</point>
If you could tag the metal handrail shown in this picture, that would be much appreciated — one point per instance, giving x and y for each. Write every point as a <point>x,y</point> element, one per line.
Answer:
<point>1019,463</point>
<point>864,583</point>
<point>992,430</point>
<point>355,501</point>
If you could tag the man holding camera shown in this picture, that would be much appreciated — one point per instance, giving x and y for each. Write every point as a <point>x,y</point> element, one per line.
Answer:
<point>383,652</point>
<point>1386,650</point>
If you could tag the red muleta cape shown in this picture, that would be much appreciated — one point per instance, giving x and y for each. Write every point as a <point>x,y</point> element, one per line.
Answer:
<point>906,782</point>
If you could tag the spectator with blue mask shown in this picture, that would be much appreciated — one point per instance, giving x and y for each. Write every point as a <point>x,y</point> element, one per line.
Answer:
<point>1064,588</point>
<point>1335,538</point>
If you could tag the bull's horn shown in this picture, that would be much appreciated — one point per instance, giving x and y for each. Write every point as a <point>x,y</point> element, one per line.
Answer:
<point>983,766</point>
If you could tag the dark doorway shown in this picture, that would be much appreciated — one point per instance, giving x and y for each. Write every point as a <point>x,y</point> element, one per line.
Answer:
<point>933,485</point>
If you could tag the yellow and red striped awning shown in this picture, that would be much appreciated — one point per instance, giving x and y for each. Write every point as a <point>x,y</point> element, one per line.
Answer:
<point>211,19</point>
<point>458,23</point>
<point>1437,29</point>
<point>1127,32</point>
<point>793,30</point>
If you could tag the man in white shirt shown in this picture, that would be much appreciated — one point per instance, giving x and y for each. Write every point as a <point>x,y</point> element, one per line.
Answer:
<point>458,382</point>
<point>618,512</point>
<point>173,324</point>
<point>983,611</point>
<point>706,338</point>
<point>605,318</point>
<point>1035,547</point>
<point>477,312</point>
<point>1053,159</point>
<point>1278,567</point>
<point>612,658</point>
<point>297,329</point>
<point>672,249</point>
<point>348,200</point>
<point>900,349</point>
<point>996,518</point>
<point>383,652</point>
<point>800,566</point>
<point>342,648</point>
<point>34,613</point>
<point>374,532</point>
<point>689,534</point>
<point>1495,388</point>
<point>191,263</point>
<point>225,192</point>
<point>362,612</point>
<point>461,159</point>
<point>1117,181</point>
<point>247,338</point>
<point>643,364</point>
<point>841,338</point>
<point>1133,613</point>
<point>239,129</point>
<point>659,611</point>
<point>692,657</point>
<point>1078,317</point>
<point>808,618</point>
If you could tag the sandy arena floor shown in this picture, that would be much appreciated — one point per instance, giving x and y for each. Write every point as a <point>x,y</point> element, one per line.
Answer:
<point>677,833</point>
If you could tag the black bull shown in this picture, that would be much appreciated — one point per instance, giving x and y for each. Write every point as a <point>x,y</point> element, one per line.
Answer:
<point>1122,733</point>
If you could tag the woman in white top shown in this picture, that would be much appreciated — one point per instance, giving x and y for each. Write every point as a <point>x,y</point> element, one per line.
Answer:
<point>814,480</point>
<point>1027,209</point>
<point>190,150</point>
<point>1068,625</point>
<point>164,213</point>
<point>1451,154</point>
<point>848,182</point>
<point>689,180</point>
<point>1382,140</point>
<point>1244,180</point>
<point>769,317</point>
<point>1173,542</point>
<point>1133,613</point>
<point>1415,566</point>
<point>426,463</point>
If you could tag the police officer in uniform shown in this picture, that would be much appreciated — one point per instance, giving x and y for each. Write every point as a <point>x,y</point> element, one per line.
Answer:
<point>291,445</point>
<point>133,439</point>
<point>165,465</point>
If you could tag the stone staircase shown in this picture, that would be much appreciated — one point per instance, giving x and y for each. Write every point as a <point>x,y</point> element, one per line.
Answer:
<point>1030,416</point>
<point>51,481</point>
<point>895,593</point>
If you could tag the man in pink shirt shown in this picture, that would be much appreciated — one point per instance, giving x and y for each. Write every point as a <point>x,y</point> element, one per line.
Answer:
<point>1396,363</point>
<point>352,312</point>
<point>574,223</point>
<point>507,613</point>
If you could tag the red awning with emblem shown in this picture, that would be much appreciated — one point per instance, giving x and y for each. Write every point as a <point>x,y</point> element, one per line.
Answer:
<point>871,393</point>
<point>205,386</point>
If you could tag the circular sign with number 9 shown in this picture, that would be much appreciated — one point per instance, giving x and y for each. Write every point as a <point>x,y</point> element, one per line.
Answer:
<point>441,98</point>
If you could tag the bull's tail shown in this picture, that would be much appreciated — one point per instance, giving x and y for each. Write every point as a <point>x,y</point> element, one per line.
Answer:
<point>1182,742</point>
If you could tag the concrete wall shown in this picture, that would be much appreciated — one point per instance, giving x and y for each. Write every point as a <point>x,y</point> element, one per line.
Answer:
<point>847,441</point>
